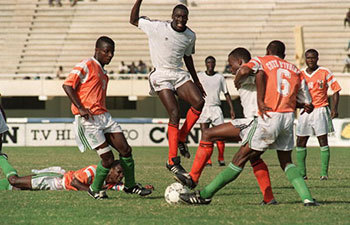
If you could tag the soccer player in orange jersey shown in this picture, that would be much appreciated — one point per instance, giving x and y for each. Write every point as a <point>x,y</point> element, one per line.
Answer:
<point>86,87</point>
<point>170,42</point>
<point>319,122</point>
<point>55,178</point>
<point>279,87</point>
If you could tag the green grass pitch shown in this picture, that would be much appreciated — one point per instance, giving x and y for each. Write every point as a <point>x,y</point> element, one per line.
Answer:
<point>237,203</point>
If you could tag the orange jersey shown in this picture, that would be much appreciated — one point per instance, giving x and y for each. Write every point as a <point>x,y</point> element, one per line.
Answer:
<point>318,83</point>
<point>89,80</point>
<point>85,176</point>
<point>283,82</point>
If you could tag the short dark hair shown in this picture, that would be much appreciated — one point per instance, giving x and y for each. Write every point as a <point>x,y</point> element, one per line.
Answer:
<point>277,47</point>
<point>104,39</point>
<point>240,53</point>
<point>311,50</point>
<point>210,57</point>
<point>180,6</point>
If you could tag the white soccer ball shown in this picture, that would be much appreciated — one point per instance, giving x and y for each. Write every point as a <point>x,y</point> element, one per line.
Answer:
<point>173,191</point>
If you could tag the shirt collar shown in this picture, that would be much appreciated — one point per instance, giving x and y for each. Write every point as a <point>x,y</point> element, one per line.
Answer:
<point>98,63</point>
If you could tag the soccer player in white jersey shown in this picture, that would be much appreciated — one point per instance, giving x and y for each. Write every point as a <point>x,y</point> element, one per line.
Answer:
<point>234,130</point>
<point>169,43</point>
<point>319,122</point>
<point>3,127</point>
<point>214,83</point>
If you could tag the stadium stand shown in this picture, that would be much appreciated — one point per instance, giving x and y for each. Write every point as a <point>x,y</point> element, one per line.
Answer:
<point>37,39</point>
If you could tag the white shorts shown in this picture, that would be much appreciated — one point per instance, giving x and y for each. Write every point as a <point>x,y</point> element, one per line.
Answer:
<point>211,114</point>
<point>317,123</point>
<point>3,126</point>
<point>89,134</point>
<point>167,79</point>
<point>47,181</point>
<point>245,125</point>
<point>274,133</point>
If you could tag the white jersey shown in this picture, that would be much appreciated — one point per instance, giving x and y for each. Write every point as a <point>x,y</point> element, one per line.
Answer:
<point>247,92</point>
<point>167,46</point>
<point>213,85</point>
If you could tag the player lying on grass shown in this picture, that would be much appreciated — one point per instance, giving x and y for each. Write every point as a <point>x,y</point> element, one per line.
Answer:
<point>279,88</point>
<point>55,178</point>
<point>235,130</point>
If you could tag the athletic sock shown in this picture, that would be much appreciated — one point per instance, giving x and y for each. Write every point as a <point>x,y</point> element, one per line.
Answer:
<point>173,138</point>
<point>301,157</point>
<point>128,170</point>
<point>204,151</point>
<point>221,149</point>
<point>226,176</point>
<point>101,174</point>
<point>325,155</point>
<point>191,118</point>
<point>262,175</point>
<point>6,167</point>
<point>294,176</point>
<point>4,184</point>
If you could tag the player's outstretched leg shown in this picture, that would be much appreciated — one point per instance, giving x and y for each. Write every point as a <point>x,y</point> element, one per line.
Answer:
<point>6,167</point>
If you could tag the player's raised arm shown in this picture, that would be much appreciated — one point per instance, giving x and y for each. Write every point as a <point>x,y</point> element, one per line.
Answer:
<point>260,80</point>
<point>135,13</point>
<point>190,67</point>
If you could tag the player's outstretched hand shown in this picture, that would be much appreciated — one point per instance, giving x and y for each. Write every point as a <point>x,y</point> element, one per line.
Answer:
<point>308,108</point>
<point>85,113</point>
<point>263,109</point>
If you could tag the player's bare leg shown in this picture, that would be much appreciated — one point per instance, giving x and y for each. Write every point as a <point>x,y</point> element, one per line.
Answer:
<point>118,142</point>
<point>294,176</point>
<point>302,154</point>
<point>325,155</point>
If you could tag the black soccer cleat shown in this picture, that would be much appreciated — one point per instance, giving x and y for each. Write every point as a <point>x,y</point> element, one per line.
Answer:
<point>138,190</point>
<point>182,146</point>
<point>185,179</point>
<point>194,198</point>
<point>176,167</point>
<point>101,195</point>
<point>272,202</point>
<point>305,177</point>
<point>221,162</point>
<point>311,203</point>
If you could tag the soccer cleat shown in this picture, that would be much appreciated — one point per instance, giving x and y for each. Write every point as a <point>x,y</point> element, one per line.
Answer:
<point>182,146</point>
<point>194,198</point>
<point>4,155</point>
<point>272,202</point>
<point>138,189</point>
<point>221,162</point>
<point>307,202</point>
<point>101,195</point>
<point>305,177</point>
<point>185,179</point>
<point>176,167</point>
<point>324,178</point>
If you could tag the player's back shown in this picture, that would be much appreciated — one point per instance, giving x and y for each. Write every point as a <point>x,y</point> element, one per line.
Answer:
<point>282,83</point>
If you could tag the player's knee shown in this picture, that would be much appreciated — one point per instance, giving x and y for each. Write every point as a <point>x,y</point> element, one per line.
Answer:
<point>13,180</point>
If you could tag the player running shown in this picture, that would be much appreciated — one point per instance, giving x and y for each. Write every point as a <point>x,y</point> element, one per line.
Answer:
<point>86,87</point>
<point>169,43</point>
<point>214,83</point>
<point>234,130</point>
<point>55,178</point>
<point>319,122</point>
<point>284,87</point>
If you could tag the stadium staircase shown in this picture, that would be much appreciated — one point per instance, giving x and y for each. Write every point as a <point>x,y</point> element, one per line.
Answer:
<point>36,38</point>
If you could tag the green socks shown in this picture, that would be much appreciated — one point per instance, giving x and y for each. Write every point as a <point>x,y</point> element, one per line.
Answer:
<point>301,157</point>
<point>128,170</point>
<point>4,184</point>
<point>325,155</point>
<point>101,174</point>
<point>6,167</point>
<point>298,182</point>
<point>226,176</point>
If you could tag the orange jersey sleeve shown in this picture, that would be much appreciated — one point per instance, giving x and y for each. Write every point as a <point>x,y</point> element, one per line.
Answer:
<point>318,83</point>
<point>90,81</point>
<point>283,82</point>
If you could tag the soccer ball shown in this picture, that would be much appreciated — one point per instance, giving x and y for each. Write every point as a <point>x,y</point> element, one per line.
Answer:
<point>173,191</point>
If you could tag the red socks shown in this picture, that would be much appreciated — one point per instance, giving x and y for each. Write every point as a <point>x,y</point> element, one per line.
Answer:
<point>221,148</point>
<point>191,118</point>
<point>203,153</point>
<point>173,138</point>
<point>261,173</point>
